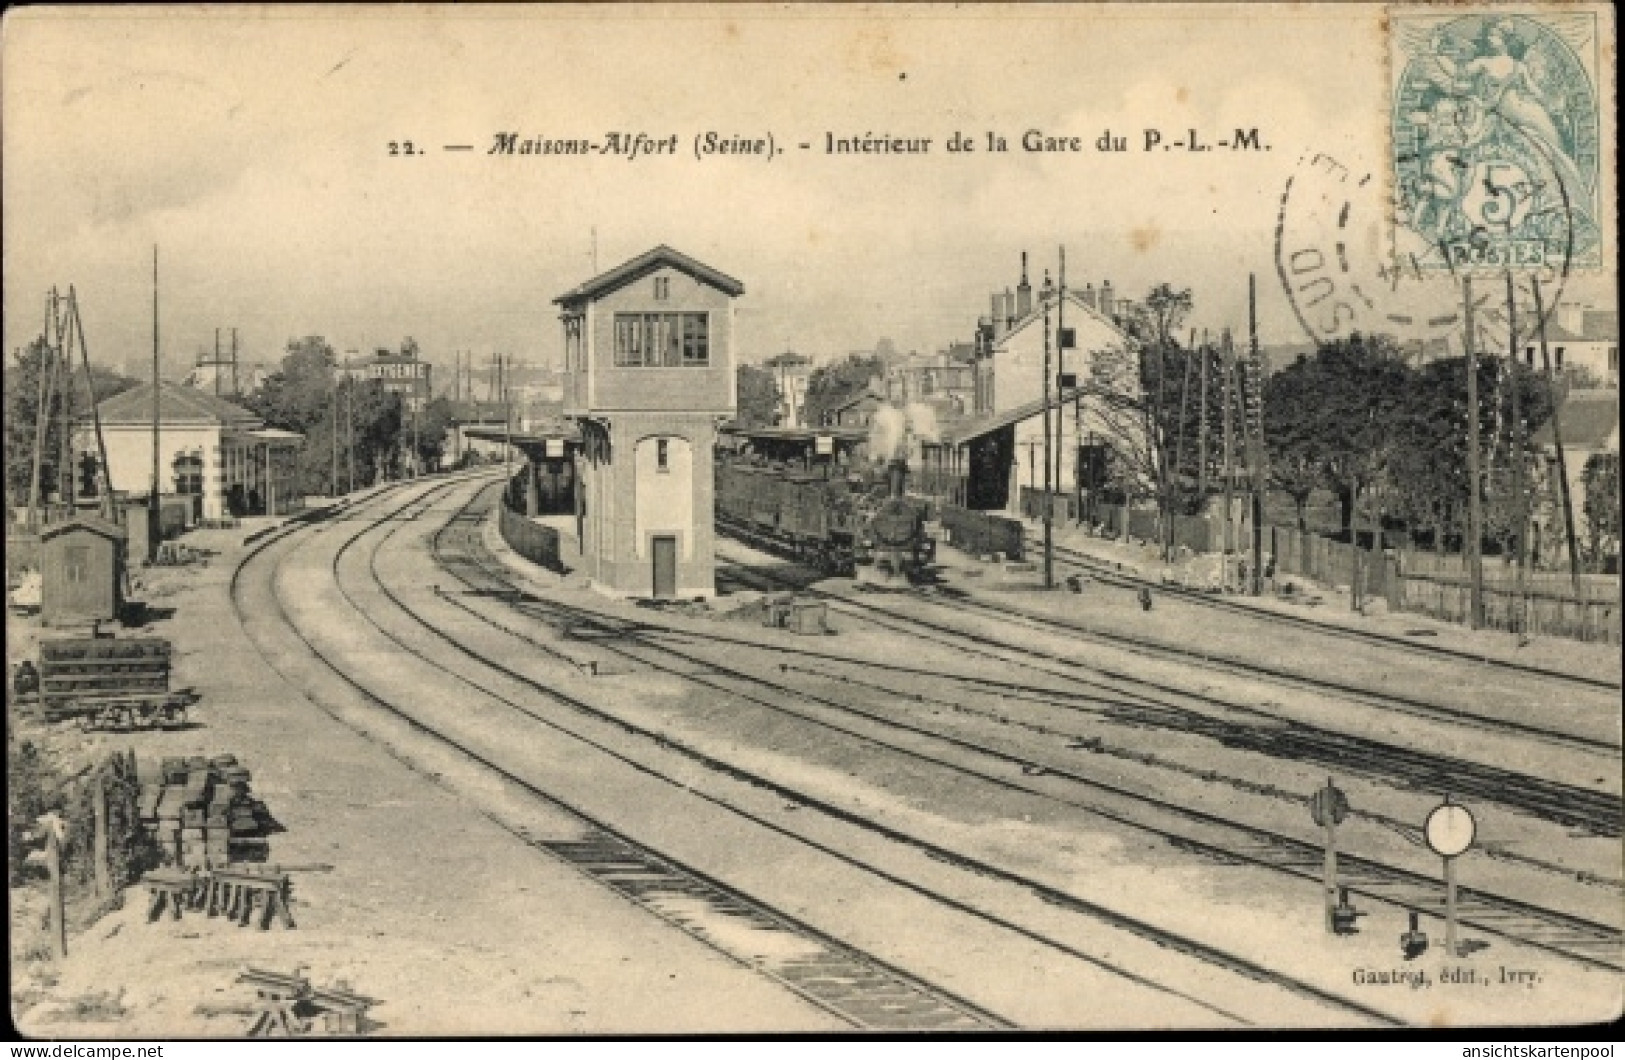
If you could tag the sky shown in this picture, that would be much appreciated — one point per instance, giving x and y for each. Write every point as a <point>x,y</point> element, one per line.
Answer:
<point>252,148</point>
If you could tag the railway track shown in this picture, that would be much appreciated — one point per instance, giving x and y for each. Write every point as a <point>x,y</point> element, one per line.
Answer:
<point>855,987</point>
<point>1219,662</point>
<point>1411,706</point>
<point>1110,573</point>
<point>1576,938</point>
<point>1599,813</point>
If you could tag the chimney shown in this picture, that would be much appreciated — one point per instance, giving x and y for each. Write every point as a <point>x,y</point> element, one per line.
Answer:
<point>1024,291</point>
<point>897,476</point>
<point>1009,309</point>
<point>1089,295</point>
<point>1106,297</point>
<point>998,316</point>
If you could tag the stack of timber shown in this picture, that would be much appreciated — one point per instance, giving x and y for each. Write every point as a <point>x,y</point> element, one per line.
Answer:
<point>202,814</point>
<point>116,683</point>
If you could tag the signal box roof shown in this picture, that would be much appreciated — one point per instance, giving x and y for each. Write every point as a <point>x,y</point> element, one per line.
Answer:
<point>642,265</point>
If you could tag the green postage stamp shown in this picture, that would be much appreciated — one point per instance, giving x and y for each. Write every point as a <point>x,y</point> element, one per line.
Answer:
<point>1496,137</point>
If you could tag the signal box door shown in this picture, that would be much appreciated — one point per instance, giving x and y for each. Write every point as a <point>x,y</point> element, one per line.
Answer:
<point>665,561</point>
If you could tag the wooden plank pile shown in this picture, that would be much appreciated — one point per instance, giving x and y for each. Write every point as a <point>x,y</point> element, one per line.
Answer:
<point>79,668</point>
<point>202,814</point>
<point>109,683</point>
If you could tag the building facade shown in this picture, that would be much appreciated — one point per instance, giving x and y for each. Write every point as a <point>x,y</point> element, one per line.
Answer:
<point>790,372</point>
<point>1008,392</point>
<point>649,375</point>
<point>208,448</point>
<point>403,373</point>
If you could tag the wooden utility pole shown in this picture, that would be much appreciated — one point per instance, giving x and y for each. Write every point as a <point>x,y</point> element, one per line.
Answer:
<point>236,390</point>
<point>1475,506</point>
<point>1519,493</point>
<point>153,507</point>
<point>1165,506</point>
<point>53,826</point>
<point>1184,404</point>
<point>216,364</point>
<point>104,880</point>
<point>42,412</point>
<point>1557,440</point>
<point>1229,391</point>
<point>1060,370</point>
<point>105,472</point>
<point>349,438</point>
<point>1201,426</point>
<point>1049,529</point>
<point>333,474</point>
<point>1256,439</point>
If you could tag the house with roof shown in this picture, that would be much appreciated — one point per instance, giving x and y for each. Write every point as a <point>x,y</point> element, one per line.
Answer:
<point>1589,423</point>
<point>1582,342</point>
<point>209,449</point>
<point>649,374</point>
<point>858,410</point>
<point>999,449</point>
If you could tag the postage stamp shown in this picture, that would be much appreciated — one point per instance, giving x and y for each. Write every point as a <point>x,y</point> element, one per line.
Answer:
<point>1496,144</point>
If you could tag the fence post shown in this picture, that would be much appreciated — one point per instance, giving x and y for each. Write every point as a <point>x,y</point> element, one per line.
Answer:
<point>104,883</point>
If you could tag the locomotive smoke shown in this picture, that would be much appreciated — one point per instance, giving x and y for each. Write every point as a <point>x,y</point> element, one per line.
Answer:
<point>888,435</point>
<point>889,431</point>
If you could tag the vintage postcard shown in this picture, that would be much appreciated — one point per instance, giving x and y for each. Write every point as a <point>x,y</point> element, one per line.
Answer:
<point>589,520</point>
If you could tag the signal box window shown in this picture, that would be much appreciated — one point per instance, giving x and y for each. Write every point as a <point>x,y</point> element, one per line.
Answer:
<point>662,340</point>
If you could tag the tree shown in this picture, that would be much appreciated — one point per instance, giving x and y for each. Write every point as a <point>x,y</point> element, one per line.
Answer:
<point>1601,480</point>
<point>1153,324</point>
<point>21,415</point>
<point>1426,472</point>
<point>298,394</point>
<point>758,397</point>
<point>429,432</point>
<point>832,385</point>
<point>1292,442</point>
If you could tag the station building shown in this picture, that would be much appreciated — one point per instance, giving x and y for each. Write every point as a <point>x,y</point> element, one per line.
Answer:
<point>649,376</point>
<point>218,455</point>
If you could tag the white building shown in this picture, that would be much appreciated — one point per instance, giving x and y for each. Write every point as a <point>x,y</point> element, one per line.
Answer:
<point>207,447</point>
<point>1007,428</point>
<point>1581,340</point>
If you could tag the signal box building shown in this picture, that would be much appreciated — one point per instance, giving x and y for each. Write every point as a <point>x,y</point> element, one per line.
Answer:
<point>649,375</point>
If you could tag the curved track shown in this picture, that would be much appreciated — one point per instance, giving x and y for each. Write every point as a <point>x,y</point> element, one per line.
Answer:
<point>856,987</point>
<point>1574,937</point>
<point>1600,813</point>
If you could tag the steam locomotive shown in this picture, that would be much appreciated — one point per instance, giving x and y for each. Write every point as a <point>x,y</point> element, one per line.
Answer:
<point>799,493</point>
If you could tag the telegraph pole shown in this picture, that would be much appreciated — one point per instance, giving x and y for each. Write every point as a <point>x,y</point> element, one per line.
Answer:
<point>1060,371</point>
<point>236,390</point>
<point>1049,521</point>
<point>1518,442</point>
<point>1475,507</point>
<point>153,507</point>
<point>349,396</point>
<point>1256,441</point>
<point>333,477</point>
<point>1229,468</point>
<point>216,365</point>
<point>105,473</point>
<point>1557,440</point>
<point>1201,427</point>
